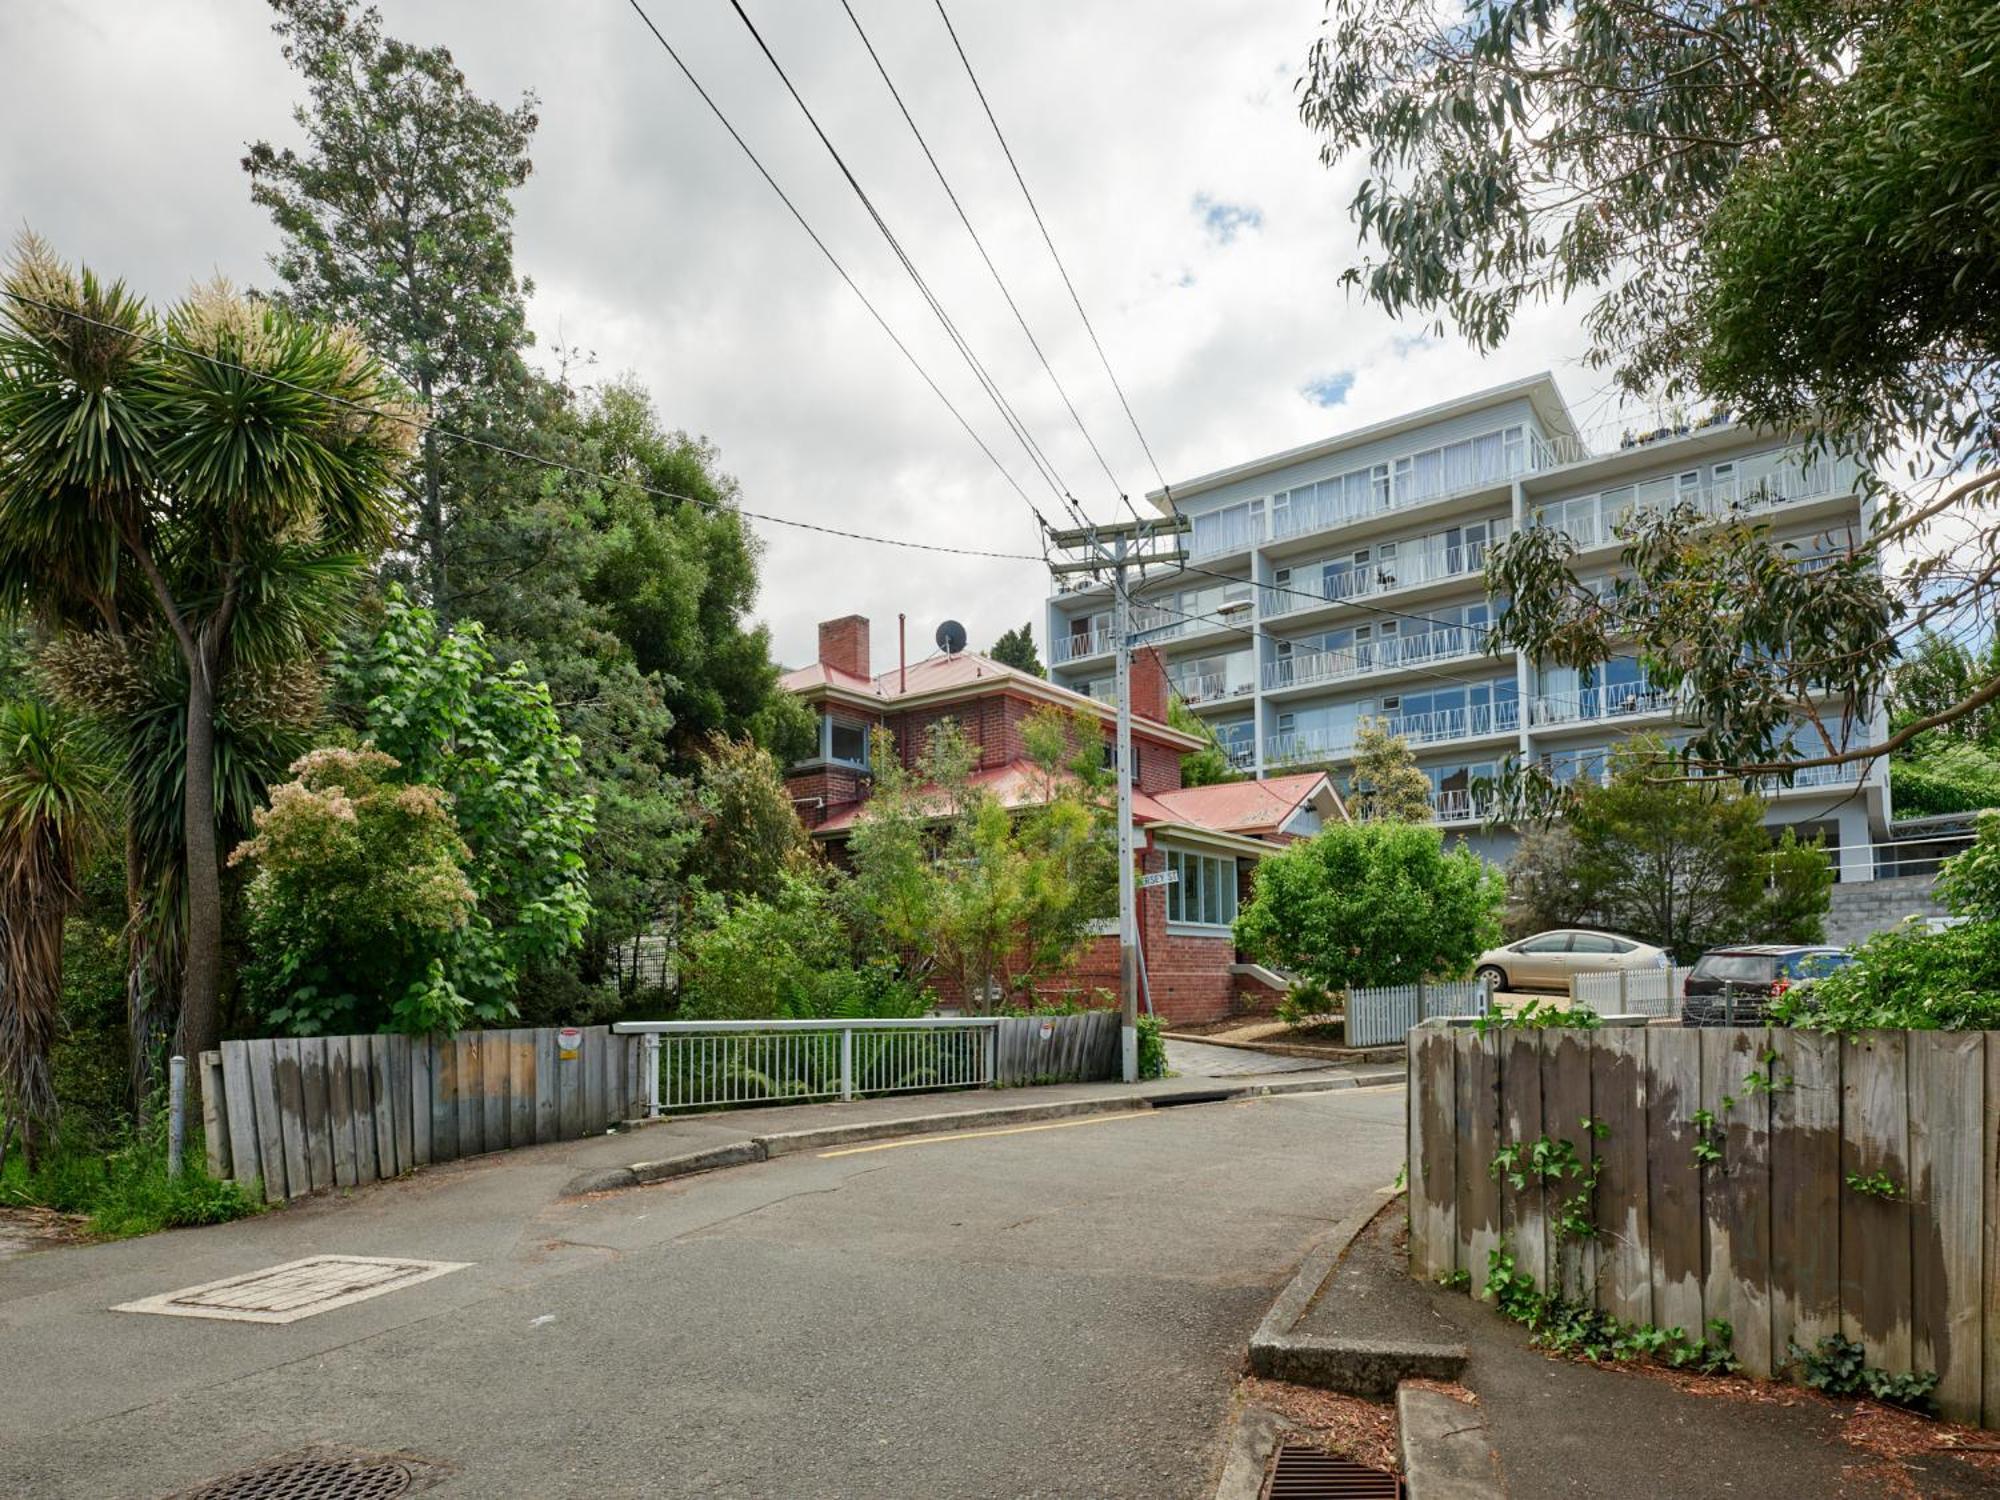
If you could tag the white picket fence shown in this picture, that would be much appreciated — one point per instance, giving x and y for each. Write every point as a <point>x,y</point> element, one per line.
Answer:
<point>1381,1017</point>
<point>1630,992</point>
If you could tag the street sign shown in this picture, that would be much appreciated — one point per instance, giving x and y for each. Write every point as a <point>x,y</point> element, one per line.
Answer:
<point>1164,877</point>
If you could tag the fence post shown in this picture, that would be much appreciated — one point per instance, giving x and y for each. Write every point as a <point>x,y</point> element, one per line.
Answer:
<point>847,1062</point>
<point>1486,994</point>
<point>1423,1003</point>
<point>177,1072</point>
<point>1623,1005</point>
<point>651,1039</point>
<point>992,1050</point>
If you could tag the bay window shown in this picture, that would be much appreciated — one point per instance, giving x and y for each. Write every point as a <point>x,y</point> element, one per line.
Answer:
<point>1203,892</point>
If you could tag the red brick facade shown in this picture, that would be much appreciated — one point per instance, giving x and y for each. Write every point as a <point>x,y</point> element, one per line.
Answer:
<point>843,644</point>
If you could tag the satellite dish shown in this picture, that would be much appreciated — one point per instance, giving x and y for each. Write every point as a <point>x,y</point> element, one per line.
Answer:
<point>951,637</point>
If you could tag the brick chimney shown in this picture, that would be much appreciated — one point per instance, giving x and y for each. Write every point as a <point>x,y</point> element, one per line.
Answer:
<point>1149,684</point>
<point>843,645</point>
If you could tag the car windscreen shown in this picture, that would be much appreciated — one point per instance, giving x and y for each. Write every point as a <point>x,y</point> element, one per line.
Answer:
<point>1816,965</point>
<point>1735,968</point>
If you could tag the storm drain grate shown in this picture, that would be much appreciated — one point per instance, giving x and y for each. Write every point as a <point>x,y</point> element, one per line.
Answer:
<point>297,1289</point>
<point>323,1473</point>
<point>1302,1473</point>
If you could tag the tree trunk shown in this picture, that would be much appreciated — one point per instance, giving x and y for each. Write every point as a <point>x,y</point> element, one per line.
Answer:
<point>440,577</point>
<point>201,988</point>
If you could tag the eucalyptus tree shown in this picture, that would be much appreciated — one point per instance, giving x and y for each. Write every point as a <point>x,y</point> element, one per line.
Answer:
<point>229,465</point>
<point>1790,211</point>
<point>52,811</point>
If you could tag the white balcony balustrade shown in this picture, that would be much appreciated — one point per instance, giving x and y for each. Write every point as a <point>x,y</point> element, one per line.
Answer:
<point>1308,666</point>
<point>1078,644</point>
<point>1431,560</point>
<point>1434,727</point>
<point>1625,700</point>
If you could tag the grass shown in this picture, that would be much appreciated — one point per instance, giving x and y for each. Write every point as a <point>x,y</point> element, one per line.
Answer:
<point>124,1191</point>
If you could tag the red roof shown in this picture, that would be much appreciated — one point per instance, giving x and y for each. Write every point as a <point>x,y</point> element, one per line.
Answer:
<point>932,674</point>
<point>1252,807</point>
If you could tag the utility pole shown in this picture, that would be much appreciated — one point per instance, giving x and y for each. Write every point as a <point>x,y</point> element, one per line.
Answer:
<point>1115,548</point>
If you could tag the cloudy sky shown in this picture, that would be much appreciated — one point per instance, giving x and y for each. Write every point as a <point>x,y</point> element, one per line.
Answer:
<point>1160,140</point>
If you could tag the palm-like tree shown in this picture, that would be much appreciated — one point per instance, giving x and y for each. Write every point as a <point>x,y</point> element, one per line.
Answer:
<point>52,802</point>
<point>229,470</point>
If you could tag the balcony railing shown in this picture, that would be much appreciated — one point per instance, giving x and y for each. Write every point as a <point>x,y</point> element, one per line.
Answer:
<point>1306,667</point>
<point>1241,757</point>
<point>1767,487</point>
<point>1430,562</point>
<point>1209,687</point>
<point>1416,729</point>
<point>1236,533</point>
<point>1457,807</point>
<point>1621,701</point>
<point>1076,645</point>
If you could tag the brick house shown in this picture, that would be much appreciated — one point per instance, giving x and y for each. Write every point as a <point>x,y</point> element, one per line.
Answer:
<point>1211,837</point>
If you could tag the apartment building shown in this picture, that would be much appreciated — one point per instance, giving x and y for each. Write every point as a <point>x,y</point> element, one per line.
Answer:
<point>1343,581</point>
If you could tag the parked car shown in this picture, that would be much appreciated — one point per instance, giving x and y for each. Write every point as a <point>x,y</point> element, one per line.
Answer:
<point>1546,960</point>
<point>1735,986</point>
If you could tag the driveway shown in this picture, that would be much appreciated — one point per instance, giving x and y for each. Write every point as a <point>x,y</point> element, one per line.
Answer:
<point>1057,1310</point>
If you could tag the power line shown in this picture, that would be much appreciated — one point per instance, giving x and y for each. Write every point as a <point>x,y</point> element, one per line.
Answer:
<point>991,387</point>
<point>403,418</point>
<point>832,260</point>
<point>1055,255</point>
<point>980,245</point>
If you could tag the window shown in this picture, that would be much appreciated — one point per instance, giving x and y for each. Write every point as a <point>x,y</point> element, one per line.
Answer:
<point>1548,942</point>
<point>844,740</point>
<point>1596,942</point>
<point>1204,889</point>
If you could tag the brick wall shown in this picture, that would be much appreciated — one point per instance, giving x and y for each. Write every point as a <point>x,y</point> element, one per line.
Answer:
<point>821,790</point>
<point>843,643</point>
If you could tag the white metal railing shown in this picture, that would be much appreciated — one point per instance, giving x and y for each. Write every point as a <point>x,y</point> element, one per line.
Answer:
<point>1308,665</point>
<point>706,1064</point>
<point>1598,520</point>
<point>1074,645</point>
<point>1457,807</point>
<point>1622,700</point>
<point>1416,729</point>
<point>1236,533</point>
<point>1208,687</point>
<point>1382,1016</point>
<point>1629,992</point>
<point>1430,561</point>
<point>1241,757</point>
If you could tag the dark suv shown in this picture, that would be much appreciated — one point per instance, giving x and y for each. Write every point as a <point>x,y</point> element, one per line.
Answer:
<point>1735,986</point>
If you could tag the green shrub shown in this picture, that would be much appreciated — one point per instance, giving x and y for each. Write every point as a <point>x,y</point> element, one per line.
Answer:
<point>126,1191</point>
<point>1907,978</point>
<point>788,957</point>
<point>1152,1048</point>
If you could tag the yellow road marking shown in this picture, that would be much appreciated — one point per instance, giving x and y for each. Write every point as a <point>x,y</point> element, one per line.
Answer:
<point>975,1135</point>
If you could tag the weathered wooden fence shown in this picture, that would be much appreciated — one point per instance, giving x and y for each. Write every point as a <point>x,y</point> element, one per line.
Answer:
<point>1056,1049</point>
<point>1763,1224</point>
<point>302,1114</point>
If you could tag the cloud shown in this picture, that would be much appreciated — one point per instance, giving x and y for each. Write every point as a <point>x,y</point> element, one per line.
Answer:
<point>1328,390</point>
<point>653,241</point>
<point>1224,221</point>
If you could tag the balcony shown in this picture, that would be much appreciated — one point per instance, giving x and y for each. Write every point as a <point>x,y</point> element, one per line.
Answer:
<point>1762,485</point>
<point>1306,668</point>
<point>1209,687</point>
<point>1229,531</point>
<point>1432,561</point>
<point>1622,701</point>
<point>1077,645</point>
<point>1437,727</point>
<point>1240,757</point>
<point>1457,807</point>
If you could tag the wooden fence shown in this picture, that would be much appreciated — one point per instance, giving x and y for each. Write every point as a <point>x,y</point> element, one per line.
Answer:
<point>1056,1049</point>
<point>1764,1224</point>
<point>302,1114</point>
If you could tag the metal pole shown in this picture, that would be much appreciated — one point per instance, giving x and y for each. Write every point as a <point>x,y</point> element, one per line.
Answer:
<point>1128,895</point>
<point>847,1062</point>
<point>177,1068</point>
<point>651,1049</point>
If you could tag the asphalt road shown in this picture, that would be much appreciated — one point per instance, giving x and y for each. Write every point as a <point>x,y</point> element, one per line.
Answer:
<point>1043,1312</point>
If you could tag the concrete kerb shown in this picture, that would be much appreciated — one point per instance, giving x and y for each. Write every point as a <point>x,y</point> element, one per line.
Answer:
<point>1335,1055</point>
<point>1370,1368</point>
<point>1446,1451</point>
<point>789,1142</point>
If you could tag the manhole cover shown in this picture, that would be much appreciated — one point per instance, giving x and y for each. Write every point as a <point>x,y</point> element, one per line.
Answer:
<point>323,1473</point>
<point>1302,1473</point>
<point>297,1289</point>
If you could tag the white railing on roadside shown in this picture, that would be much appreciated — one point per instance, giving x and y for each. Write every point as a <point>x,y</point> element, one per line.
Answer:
<point>1630,992</point>
<point>1382,1016</point>
<point>706,1064</point>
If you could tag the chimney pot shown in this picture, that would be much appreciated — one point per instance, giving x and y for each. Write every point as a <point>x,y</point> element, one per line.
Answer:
<point>843,645</point>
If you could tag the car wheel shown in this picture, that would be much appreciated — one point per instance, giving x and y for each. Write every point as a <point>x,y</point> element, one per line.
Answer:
<point>1491,974</point>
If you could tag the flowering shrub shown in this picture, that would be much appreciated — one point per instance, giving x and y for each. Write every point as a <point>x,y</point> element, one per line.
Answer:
<point>360,910</point>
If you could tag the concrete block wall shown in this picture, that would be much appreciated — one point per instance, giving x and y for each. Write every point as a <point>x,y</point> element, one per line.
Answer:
<point>1860,909</point>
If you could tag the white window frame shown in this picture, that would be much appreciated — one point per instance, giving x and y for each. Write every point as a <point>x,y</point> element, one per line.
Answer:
<point>826,722</point>
<point>1209,880</point>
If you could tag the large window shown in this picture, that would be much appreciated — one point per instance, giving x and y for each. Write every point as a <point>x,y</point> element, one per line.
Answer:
<point>843,740</point>
<point>1204,890</point>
